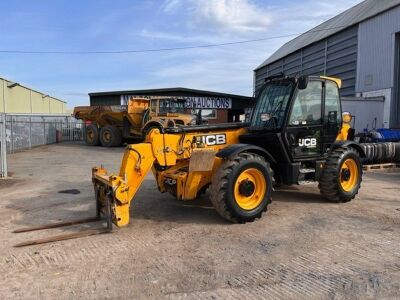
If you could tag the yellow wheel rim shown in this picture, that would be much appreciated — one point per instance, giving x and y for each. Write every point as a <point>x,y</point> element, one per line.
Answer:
<point>349,175</point>
<point>90,135</point>
<point>107,136</point>
<point>250,188</point>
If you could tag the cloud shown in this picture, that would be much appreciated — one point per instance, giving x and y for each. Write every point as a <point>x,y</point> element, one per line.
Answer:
<point>230,16</point>
<point>174,23</point>
<point>230,68</point>
<point>170,5</point>
<point>224,69</point>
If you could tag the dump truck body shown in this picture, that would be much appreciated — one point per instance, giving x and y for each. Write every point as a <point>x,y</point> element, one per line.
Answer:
<point>109,125</point>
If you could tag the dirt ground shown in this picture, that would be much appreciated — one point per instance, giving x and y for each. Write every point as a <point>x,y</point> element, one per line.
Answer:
<point>303,247</point>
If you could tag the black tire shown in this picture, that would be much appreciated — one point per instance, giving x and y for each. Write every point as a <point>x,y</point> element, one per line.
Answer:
<point>330,184</point>
<point>380,153</point>
<point>397,152</point>
<point>110,136</point>
<point>222,192</point>
<point>367,151</point>
<point>370,153</point>
<point>92,135</point>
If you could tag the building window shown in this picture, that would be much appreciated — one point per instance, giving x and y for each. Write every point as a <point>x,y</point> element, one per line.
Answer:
<point>153,105</point>
<point>208,113</point>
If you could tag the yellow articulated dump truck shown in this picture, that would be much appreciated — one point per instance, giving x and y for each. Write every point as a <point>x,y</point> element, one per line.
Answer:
<point>297,134</point>
<point>108,126</point>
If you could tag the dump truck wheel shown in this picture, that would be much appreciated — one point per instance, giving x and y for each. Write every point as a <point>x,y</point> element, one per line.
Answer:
<point>110,136</point>
<point>241,188</point>
<point>342,175</point>
<point>92,135</point>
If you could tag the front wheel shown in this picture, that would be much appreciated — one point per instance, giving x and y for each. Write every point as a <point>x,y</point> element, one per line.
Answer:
<point>342,175</point>
<point>241,188</point>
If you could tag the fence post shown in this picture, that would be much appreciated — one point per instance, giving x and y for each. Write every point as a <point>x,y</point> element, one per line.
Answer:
<point>12,135</point>
<point>3,148</point>
<point>30,132</point>
<point>70,129</point>
<point>44,132</point>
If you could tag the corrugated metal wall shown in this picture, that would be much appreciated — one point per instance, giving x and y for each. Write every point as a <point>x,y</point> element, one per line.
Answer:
<point>334,56</point>
<point>376,51</point>
<point>395,111</point>
<point>105,100</point>
<point>20,99</point>
<point>378,67</point>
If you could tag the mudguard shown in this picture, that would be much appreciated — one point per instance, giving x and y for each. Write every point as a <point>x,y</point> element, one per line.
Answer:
<point>154,123</point>
<point>235,149</point>
<point>352,144</point>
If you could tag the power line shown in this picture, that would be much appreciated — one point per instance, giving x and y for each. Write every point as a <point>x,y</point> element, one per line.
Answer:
<point>166,49</point>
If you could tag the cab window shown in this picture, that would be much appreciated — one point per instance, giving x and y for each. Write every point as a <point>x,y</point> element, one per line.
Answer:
<point>153,105</point>
<point>307,106</point>
<point>332,104</point>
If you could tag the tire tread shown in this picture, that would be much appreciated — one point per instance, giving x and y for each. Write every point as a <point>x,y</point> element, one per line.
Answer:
<point>219,185</point>
<point>328,184</point>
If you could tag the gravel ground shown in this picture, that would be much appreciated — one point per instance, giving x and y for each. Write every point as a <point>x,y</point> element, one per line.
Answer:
<point>303,247</point>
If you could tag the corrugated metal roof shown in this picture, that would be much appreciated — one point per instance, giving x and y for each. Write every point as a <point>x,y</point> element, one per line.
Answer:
<point>28,88</point>
<point>346,19</point>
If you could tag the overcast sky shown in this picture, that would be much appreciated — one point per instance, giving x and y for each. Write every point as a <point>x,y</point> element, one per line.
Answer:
<point>108,25</point>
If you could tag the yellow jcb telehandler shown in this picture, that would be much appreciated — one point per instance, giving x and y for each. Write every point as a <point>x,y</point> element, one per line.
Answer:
<point>297,134</point>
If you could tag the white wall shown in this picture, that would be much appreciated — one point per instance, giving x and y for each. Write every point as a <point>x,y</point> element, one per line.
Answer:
<point>365,112</point>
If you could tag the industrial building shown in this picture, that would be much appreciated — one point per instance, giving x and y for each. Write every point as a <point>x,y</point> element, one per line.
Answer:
<point>216,107</point>
<point>29,118</point>
<point>362,47</point>
<point>18,99</point>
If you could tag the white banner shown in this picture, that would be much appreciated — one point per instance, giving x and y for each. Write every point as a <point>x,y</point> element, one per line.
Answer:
<point>208,102</point>
<point>190,102</point>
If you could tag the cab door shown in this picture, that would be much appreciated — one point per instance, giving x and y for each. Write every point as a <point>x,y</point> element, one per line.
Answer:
<point>332,114</point>
<point>305,124</point>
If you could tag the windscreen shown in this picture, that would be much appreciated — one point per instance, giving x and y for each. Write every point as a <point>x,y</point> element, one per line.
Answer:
<point>172,106</point>
<point>270,109</point>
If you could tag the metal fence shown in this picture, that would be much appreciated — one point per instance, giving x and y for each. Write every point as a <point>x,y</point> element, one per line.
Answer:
<point>3,149</point>
<point>21,132</point>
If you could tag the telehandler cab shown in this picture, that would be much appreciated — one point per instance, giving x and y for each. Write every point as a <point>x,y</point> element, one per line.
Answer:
<point>296,135</point>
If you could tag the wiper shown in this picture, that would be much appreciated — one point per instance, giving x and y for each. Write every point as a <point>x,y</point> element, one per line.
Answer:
<point>273,116</point>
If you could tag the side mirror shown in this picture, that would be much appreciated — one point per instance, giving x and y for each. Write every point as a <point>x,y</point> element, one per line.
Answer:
<point>302,82</point>
<point>332,117</point>
<point>199,118</point>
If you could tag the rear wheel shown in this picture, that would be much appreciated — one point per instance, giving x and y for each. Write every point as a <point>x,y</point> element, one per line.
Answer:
<point>341,176</point>
<point>92,135</point>
<point>110,136</point>
<point>241,188</point>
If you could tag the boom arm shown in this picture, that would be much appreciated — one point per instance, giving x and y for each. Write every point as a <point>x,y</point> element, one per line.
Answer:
<point>183,159</point>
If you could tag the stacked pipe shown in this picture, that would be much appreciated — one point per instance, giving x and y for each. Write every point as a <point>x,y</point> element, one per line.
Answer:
<point>378,153</point>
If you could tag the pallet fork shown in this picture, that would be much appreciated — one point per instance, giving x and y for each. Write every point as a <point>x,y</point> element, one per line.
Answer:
<point>101,211</point>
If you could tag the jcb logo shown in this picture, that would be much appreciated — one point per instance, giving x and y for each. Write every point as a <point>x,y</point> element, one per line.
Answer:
<point>308,142</point>
<point>211,140</point>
